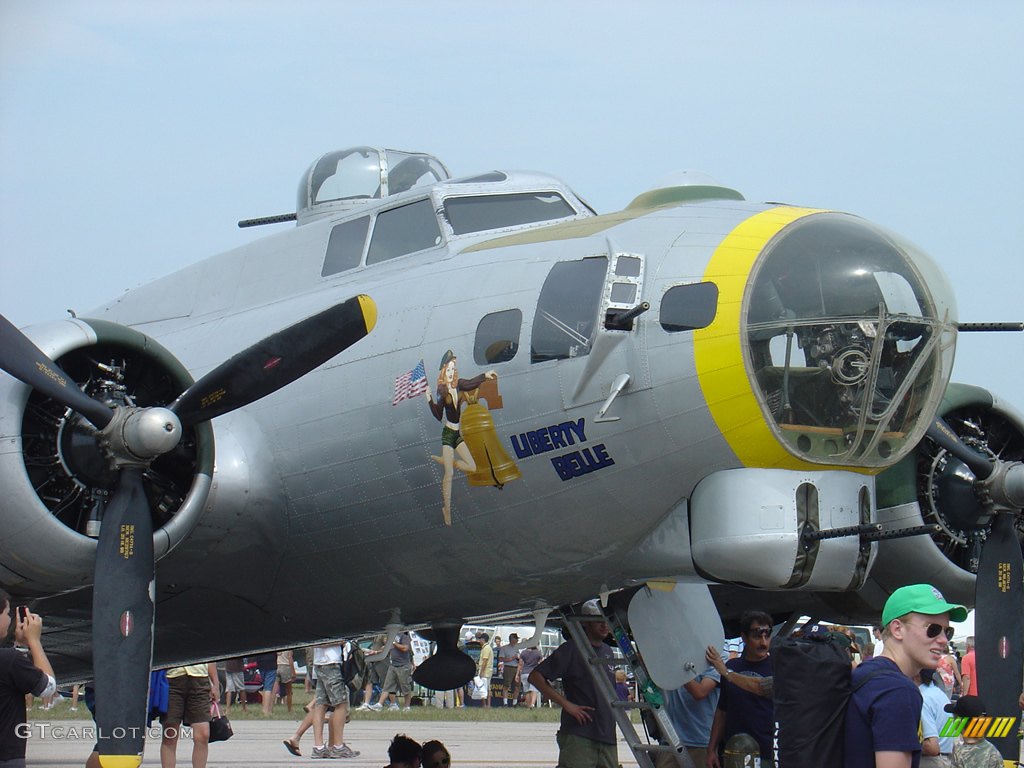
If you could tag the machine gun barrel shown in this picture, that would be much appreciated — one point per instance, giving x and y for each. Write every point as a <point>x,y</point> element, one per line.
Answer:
<point>990,326</point>
<point>867,532</point>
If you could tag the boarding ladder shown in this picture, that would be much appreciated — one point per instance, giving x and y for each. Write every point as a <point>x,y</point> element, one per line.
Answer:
<point>649,695</point>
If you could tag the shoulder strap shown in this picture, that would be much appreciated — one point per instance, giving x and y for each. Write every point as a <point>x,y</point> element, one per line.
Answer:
<point>870,675</point>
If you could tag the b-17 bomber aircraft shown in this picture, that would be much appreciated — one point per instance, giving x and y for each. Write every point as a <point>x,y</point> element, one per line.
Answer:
<point>440,399</point>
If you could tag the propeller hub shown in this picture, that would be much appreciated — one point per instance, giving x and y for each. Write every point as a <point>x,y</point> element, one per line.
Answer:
<point>1006,485</point>
<point>151,432</point>
<point>136,436</point>
<point>955,494</point>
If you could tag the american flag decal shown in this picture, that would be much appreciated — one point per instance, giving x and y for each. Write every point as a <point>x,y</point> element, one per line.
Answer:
<point>410,384</point>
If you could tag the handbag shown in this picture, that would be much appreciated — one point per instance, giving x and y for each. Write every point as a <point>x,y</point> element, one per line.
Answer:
<point>220,726</point>
<point>477,688</point>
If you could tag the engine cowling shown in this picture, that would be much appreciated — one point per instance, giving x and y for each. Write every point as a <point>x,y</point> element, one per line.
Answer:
<point>56,482</point>
<point>930,486</point>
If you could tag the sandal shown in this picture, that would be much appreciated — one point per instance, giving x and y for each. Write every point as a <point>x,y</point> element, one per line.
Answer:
<point>292,747</point>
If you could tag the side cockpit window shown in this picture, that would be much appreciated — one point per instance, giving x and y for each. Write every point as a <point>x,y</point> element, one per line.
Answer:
<point>404,230</point>
<point>567,310</point>
<point>497,337</point>
<point>345,247</point>
<point>478,213</point>
<point>689,307</point>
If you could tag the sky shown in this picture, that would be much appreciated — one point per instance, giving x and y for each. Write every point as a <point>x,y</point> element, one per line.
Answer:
<point>133,136</point>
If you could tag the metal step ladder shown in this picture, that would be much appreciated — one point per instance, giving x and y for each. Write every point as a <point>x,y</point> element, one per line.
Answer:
<point>649,695</point>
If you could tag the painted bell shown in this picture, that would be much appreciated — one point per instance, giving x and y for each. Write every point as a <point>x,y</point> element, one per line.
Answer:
<point>493,465</point>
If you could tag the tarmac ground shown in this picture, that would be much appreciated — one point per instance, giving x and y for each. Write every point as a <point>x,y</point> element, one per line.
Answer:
<point>259,743</point>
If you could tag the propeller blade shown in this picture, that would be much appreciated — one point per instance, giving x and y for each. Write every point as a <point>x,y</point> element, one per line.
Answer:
<point>999,627</point>
<point>26,362</point>
<point>941,433</point>
<point>277,360</point>
<point>122,623</point>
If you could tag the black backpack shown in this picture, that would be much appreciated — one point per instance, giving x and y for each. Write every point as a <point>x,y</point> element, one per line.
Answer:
<point>812,690</point>
<point>353,668</point>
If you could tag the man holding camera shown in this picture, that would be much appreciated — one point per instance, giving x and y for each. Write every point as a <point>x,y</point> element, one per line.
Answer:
<point>19,676</point>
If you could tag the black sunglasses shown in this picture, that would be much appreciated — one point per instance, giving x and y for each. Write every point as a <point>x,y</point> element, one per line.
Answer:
<point>446,760</point>
<point>934,630</point>
<point>760,633</point>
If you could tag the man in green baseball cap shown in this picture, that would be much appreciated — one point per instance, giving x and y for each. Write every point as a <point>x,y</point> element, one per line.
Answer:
<point>885,706</point>
<point>919,598</point>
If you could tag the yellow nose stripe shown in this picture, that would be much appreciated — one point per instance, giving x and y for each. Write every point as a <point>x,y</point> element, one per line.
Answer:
<point>718,348</point>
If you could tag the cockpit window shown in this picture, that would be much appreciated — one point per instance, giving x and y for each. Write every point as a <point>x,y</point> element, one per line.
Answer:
<point>403,230</point>
<point>567,310</point>
<point>477,213</point>
<point>345,247</point>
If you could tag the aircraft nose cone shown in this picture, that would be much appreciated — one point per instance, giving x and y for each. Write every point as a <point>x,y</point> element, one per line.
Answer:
<point>846,335</point>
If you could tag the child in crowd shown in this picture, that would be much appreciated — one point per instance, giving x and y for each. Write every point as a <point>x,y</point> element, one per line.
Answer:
<point>973,752</point>
<point>621,686</point>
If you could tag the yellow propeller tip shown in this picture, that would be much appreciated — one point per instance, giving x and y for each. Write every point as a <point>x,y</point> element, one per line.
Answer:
<point>120,761</point>
<point>662,585</point>
<point>369,309</point>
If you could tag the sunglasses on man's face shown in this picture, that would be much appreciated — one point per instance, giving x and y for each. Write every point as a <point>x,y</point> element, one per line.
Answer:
<point>934,630</point>
<point>760,632</point>
<point>440,762</point>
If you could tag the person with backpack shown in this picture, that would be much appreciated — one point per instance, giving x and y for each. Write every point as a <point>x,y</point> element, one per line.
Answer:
<point>884,709</point>
<point>331,691</point>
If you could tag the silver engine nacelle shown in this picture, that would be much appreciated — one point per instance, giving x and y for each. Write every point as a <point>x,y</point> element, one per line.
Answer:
<point>930,486</point>
<point>54,479</point>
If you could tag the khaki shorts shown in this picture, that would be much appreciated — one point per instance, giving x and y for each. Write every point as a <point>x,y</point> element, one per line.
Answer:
<point>331,690</point>
<point>377,672</point>
<point>188,701</point>
<point>234,681</point>
<point>398,680</point>
<point>509,675</point>
<point>699,755</point>
<point>578,752</point>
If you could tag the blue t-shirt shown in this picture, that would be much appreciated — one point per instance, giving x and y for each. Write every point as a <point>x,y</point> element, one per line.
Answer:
<point>884,714</point>
<point>747,712</point>
<point>692,719</point>
<point>934,716</point>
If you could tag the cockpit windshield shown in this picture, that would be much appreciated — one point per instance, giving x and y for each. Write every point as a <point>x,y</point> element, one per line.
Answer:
<point>845,342</point>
